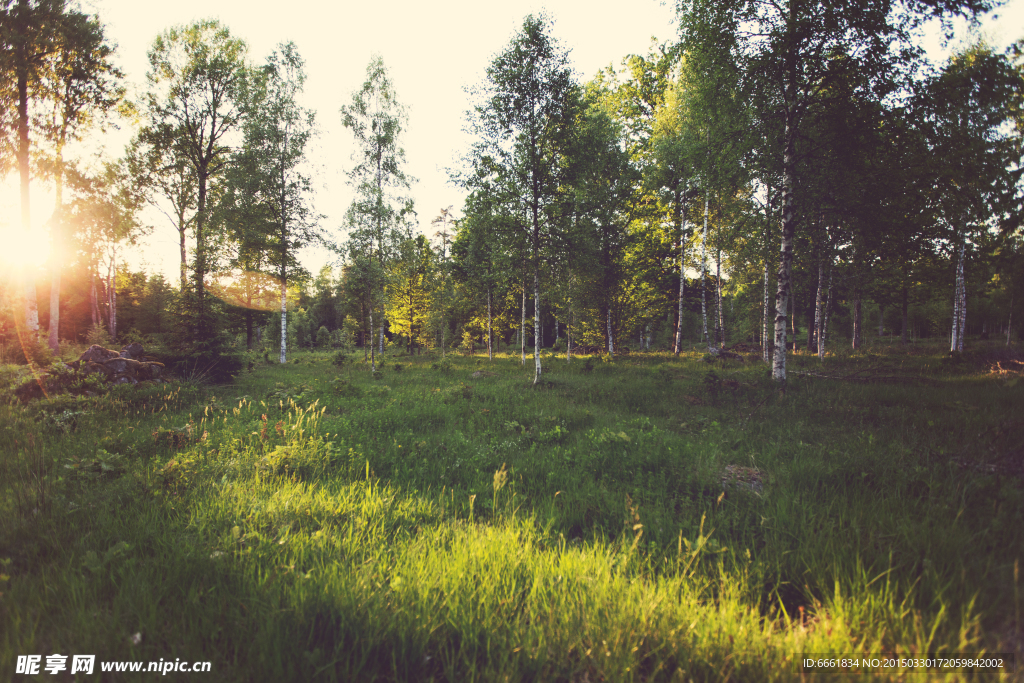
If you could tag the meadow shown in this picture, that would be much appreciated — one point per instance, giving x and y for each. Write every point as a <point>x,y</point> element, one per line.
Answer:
<point>642,518</point>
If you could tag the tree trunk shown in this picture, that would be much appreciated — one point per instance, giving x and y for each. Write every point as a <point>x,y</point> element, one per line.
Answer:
<point>112,292</point>
<point>284,316</point>
<point>568,338</point>
<point>817,309</point>
<point>704,275</point>
<point>522,328</point>
<point>31,307</point>
<point>681,222</point>
<point>490,335</point>
<point>824,318</point>
<point>1009,320</point>
<point>611,340</point>
<point>856,323</point>
<point>782,293</point>
<point>959,304</point>
<point>766,349</point>
<point>720,326</point>
<point>906,317</point>
<point>536,320</point>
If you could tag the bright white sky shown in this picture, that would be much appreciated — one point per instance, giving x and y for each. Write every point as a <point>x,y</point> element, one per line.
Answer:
<point>433,50</point>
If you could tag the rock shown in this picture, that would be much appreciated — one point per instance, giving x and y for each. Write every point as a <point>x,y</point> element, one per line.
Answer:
<point>124,367</point>
<point>133,351</point>
<point>98,354</point>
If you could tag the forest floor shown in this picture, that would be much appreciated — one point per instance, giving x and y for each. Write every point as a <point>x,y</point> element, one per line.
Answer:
<point>647,518</point>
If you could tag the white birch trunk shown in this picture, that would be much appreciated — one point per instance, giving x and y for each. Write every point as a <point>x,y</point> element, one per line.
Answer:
<point>766,327</point>
<point>782,294</point>
<point>959,304</point>
<point>522,329</point>
<point>682,285</point>
<point>373,346</point>
<point>284,319</point>
<point>824,318</point>
<point>720,327</point>
<point>703,276</point>
<point>818,303</point>
<point>536,324</point>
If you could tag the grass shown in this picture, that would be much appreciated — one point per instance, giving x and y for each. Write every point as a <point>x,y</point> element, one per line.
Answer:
<point>642,519</point>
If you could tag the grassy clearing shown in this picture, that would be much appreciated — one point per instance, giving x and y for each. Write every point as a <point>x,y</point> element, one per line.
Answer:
<point>642,519</point>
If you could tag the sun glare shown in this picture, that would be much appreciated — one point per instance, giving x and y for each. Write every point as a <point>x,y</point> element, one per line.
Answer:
<point>19,249</point>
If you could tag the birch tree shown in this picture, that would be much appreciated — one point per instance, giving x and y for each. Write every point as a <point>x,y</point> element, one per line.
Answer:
<point>790,48</point>
<point>377,120</point>
<point>268,173</point>
<point>526,116</point>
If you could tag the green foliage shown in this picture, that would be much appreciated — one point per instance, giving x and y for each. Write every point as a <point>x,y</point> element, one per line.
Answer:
<point>444,365</point>
<point>323,338</point>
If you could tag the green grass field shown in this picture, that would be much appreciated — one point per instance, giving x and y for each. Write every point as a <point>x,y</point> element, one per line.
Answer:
<point>645,518</point>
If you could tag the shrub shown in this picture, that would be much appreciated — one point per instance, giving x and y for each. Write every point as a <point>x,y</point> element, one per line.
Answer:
<point>98,334</point>
<point>323,338</point>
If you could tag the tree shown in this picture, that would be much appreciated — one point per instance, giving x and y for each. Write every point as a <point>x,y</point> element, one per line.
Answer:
<point>79,84</point>
<point>32,35</point>
<point>525,122</point>
<point>267,183</point>
<point>796,50</point>
<point>965,111</point>
<point>376,119</point>
<point>192,105</point>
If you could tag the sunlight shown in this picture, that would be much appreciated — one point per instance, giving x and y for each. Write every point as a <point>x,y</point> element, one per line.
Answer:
<point>18,249</point>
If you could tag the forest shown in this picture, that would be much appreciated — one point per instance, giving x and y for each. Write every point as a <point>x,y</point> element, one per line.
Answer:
<point>714,374</point>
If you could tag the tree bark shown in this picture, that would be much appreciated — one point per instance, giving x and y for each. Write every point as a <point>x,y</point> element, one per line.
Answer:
<point>536,321</point>
<point>782,293</point>
<point>906,317</point>
<point>817,308</point>
<point>681,222</point>
<point>490,336</point>
<point>824,321</point>
<point>284,316</point>
<point>720,326</point>
<point>856,323</point>
<point>766,328</point>
<point>704,275</point>
<point>522,329</point>
<point>611,338</point>
<point>31,307</point>
<point>112,293</point>
<point>959,303</point>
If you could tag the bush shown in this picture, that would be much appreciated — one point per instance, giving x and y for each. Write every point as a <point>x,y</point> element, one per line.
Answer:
<point>323,338</point>
<point>98,334</point>
<point>33,349</point>
<point>341,359</point>
<point>444,365</point>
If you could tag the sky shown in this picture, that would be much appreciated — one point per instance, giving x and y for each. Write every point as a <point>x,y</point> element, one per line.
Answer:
<point>433,51</point>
